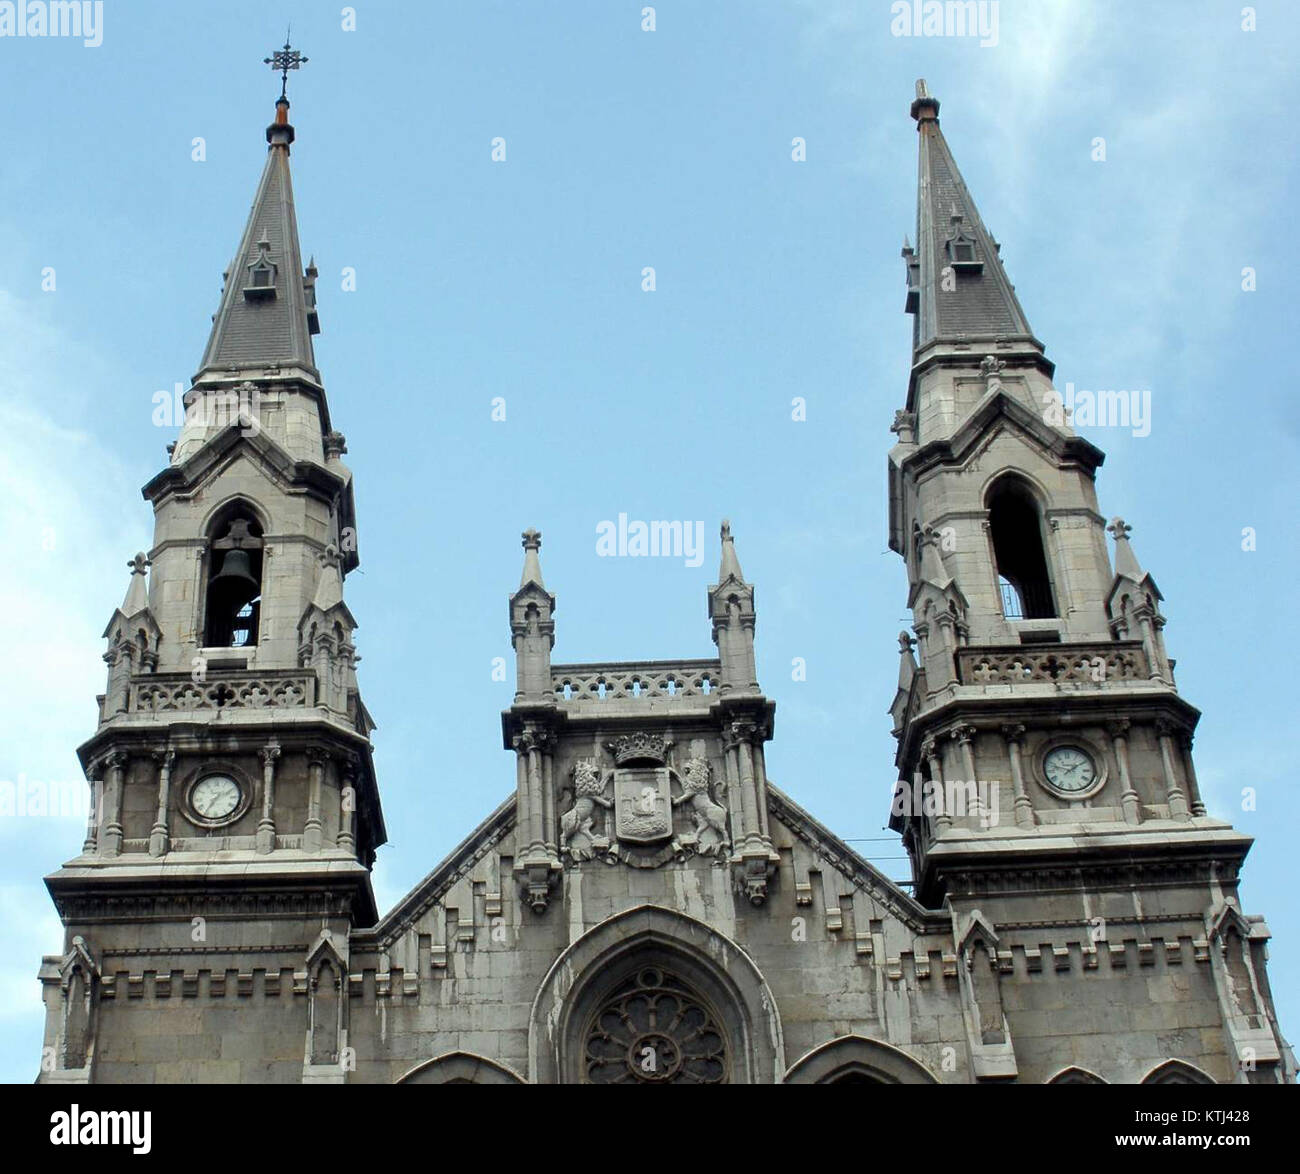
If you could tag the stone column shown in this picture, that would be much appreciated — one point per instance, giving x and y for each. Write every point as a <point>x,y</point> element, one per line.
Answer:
<point>760,781</point>
<point>964,736</point>
<point>1128,797</point>
<point>1177,800</point>
<point>735,804</point>
<point>158,838</point>
<point>323,663</point>
<point>1024,807</point>
<point>548,800</point>
<point>95,777</point>
<point>346,838</point>
<point>536,840</point>
<point>311,836</point>
<point>742,732</point>
<point>265,838</point>
<point>536,862</point>
<point>112,842</point>
<point>1193,787</point>
<point>1153,644</point>
<point>943,816</point>
<point>118,658</point>
<point>523,800</point>
<point>948,642</point>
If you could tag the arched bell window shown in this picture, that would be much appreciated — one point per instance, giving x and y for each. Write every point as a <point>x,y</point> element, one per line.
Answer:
<point>234,588</point>
<point>1020,558</point>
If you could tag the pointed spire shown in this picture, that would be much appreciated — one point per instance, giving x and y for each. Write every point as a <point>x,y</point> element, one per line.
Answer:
<point>957,287</point>
<point>906,661</point>
<point>730,566</point>
<point>1126,562</point>
<point>267,313</point>
<point>137,593</point>
<point>932,568</point>
<point>329,587</point>
<point>532,543</point>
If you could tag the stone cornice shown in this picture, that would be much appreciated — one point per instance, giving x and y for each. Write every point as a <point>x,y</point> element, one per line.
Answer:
<point>1044,706</point>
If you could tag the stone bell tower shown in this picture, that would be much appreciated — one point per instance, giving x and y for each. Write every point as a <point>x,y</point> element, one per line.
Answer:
<point>1044,751</point>
<point>236,814</point>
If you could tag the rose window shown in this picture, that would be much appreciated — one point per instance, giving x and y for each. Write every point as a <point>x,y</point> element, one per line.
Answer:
<point>654,1030</point>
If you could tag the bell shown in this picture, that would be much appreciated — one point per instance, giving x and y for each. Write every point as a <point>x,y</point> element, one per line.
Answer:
<point>235,584</point>
<point>236,565</point>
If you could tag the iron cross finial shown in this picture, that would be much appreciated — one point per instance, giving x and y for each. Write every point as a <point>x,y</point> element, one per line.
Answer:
<point>284,60</point>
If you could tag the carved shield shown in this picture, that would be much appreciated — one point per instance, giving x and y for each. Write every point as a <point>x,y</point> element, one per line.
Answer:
<point>643,806</point>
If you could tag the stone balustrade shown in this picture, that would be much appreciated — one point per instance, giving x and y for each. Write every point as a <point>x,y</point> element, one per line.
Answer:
<point>1098,664</point>
<point>662,680</point>
<point>172,692</point>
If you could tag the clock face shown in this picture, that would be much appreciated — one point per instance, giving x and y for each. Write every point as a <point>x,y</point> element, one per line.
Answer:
<point>215,797</point>
<point>1069,769</point>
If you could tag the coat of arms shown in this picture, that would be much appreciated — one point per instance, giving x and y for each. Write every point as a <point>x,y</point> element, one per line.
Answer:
<point>643,823</point>
<point>643,804</point>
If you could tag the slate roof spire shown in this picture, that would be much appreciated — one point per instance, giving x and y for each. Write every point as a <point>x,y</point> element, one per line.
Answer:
<point>956,285</point>
<point>267,313</point>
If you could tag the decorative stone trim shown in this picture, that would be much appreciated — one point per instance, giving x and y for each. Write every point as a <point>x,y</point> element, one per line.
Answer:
<point>178,692</point>
<point>577,684</point>
<point>1099,665</point>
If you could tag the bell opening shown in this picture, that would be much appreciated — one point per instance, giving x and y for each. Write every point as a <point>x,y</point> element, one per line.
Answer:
<point>235,584</point>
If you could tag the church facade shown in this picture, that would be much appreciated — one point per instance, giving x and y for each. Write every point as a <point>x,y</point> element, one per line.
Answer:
<point>647,906</point>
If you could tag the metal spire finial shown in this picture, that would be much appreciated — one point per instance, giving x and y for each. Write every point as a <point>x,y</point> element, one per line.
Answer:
<point>284,60</point>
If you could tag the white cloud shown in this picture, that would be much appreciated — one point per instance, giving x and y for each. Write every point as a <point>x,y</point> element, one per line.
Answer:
<point>67,526</point>
<point>65,517</point>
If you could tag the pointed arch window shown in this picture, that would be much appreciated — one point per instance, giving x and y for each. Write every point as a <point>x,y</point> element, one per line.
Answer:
<point>1020,558</point>
<point>233,601</point>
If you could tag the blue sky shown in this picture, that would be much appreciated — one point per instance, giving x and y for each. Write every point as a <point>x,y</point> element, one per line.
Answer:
<point>522,280</point>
